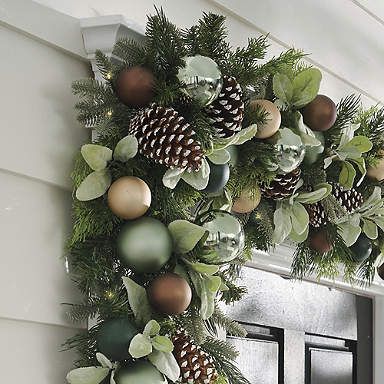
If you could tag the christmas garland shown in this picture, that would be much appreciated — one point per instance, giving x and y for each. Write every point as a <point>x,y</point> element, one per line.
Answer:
<point>203,153</point>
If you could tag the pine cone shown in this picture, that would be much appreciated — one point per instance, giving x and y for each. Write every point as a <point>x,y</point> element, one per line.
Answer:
<point>227,111</point>
<point>196,365</point>
<point>350,199</point>
<point>282,186</point>
<point>167,138</point>
<point>317,216</point>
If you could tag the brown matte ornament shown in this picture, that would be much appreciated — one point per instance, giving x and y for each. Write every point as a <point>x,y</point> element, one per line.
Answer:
<point>319,242</point>
<point>320,114</point>
<point>380,271</point>
<point>129,197</point>
<point>135,86</point>
<point>273,121</point>
<point>377,172</point>
<point>247,201</point>
<point>169,294</point>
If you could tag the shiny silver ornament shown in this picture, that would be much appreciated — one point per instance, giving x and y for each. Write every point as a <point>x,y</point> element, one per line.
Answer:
<point>226,238</point>
<point>202,79</point>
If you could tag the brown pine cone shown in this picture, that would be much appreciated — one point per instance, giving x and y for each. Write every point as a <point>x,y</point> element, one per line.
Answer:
<point>350,199</point>
<point>282,186</point>
<point>317,216</point>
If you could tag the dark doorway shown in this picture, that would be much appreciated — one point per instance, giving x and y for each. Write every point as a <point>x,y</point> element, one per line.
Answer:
<point>303,333</point>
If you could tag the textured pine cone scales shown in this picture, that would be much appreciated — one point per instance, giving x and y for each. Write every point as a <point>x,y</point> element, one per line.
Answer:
<point>167,138</point>
<point>227,111</point>
<point>350,199</point>
<point>317,216</point>
<point>282,186</point>
<point>196,366</point>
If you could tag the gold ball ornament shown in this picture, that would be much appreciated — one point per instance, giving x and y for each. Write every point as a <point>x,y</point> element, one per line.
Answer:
<point>129,197</point>
<point>273,122</point>
<point>247,201</point>
<point>377,172</point>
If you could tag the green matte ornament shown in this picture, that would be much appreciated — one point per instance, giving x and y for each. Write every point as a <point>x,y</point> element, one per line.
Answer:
<point>218,177</point>
<point>362,249</point>
<point>144,245</point>
<point>114,337</point>
<point>140,372</point>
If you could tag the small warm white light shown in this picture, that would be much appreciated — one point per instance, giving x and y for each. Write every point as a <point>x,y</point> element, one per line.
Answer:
<point>109,113</point>
<point>109,75</point>
<point>109,294</point>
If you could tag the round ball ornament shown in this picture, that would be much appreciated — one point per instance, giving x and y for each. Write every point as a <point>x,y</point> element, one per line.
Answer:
<point>273,120</point>
<point>218,177</point>
<point>140,372</point>
<point>377,172</point>
<point>135,86</point>
<point>247,201</point>
<point>129,197</point>
<point>319,241</point>
<point>201,77</point>
<point>320,114</point>
<point>114,337</point>
<point>169,294</point>
<point>380,271</point>
<point>362,249</point>
<point>144,245</point>
<point>226,238</point>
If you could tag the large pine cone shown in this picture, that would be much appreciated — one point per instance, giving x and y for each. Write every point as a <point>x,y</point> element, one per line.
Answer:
<point>227,111</point>
<point>282,186</point>
<point>350,199</point>
<point>317,216</point>
<point>196,365</point>
<point>167,138</point>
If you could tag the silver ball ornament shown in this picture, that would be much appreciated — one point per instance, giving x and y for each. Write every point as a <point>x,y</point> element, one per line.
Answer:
<point>201,78</point>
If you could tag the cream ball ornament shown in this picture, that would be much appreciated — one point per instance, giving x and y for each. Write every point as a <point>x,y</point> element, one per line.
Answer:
<point>129,197</point>
<point>273,120</point>
<point>377,172</point>
<point>247,201</point>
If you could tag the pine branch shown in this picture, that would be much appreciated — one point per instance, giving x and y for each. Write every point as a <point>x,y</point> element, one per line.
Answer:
<point>193,324</point>
<point>131,53</point>
<point>220,319</point>
<point>104,65</point>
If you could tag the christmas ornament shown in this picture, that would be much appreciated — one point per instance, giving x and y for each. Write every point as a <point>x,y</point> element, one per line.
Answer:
<point>201,78</point>
<point>362,249</point>
<point>144,245</point>
<point>113,338</point>
<point>317,216</point>
<point>139,372</point>
<point>218,177</point>
<point>377,172</point>
<point>129,197</point>
<point>226,237</point>
<point>380,271</point>
<point>319,241</point>
<point>196,365</point>
<point>135,86</point>
<point>273,119</point>
<point>227,111</point>
<point>349,199</point>
<point>282,186</point>
<point>167,138</point>
<point>169,294</point>
<point>320,113</point>
<point>247,201</point>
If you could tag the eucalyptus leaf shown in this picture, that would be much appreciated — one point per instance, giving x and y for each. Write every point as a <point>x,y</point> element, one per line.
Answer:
<point>245,135</point>
<point>94,185</point>
<point>314,196</point>
<point>361,143</point>
<point>207,298</point>
<point>198,180</point>
<point>138,301</point>
<point>220,156</point>
<point>185,235</point>
<point>306,86</point>
<point>300,218</point>
<point>172,177</point>
<point>283,87</point>
<point>140,346</point>
<point>207,269</point>
<point>328,161</point>
<point>360,163</point>
<point>96,156</point>
<point>126,148</point>
<point>166,363</point>
<point>370,229</point>
<point>379,222</point>
<point>162,343</point>
<point>213,283</point>
<point>152,328</point>
<point>348,153</point>
<point>87,375</point>
<point>349,233</point>
<point>283,224</point>
<point>299,238</point>
<point>104,361</point>
<point>347,175</point>
<point>181,271</point>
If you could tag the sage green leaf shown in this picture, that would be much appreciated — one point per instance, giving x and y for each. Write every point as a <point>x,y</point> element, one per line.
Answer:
<point>360,163</point>
<point>104,361</point>
<point>207,298</point>
<point>306,86</point>
<point>299,238</point>
<point>220,156</point>
<point>223,287</point>
<point>172,177</point>
<point>185,235</point>
<point>373,199</point>
<point>349,233</point>
<point>96,156</point>
<point>313,197</point>
<point>162,343</point>
<point>207,269</point>
<point>140,346</point>
<point>87,375</point>
<point>283,87</point>
<point>166,363</point>
<point>370,229</point>
<point>181,271</point>
<point>152,328</point>
<point>213,283</point>
<point>283,224</point>
<point>112,379</point>
<point>126,148</point>
<point>138,301</point>
<point>348,153</point>
<point>347,175</point>
<point>361,143</point>
<point>379,222</point>
<point>245,135</point>
<point>328,161</point>
<point>300,218</point>
<point>94,185</point>
<point>198,180</point>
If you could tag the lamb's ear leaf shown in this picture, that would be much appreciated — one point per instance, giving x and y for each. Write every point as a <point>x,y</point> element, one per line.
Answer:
<point>166,363</point>
<point>96,156</point>
<point>140,346</point>
<point>94,185</point>
<point>87,375</point>
<point>126,148</point>
<point>172,177</point>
